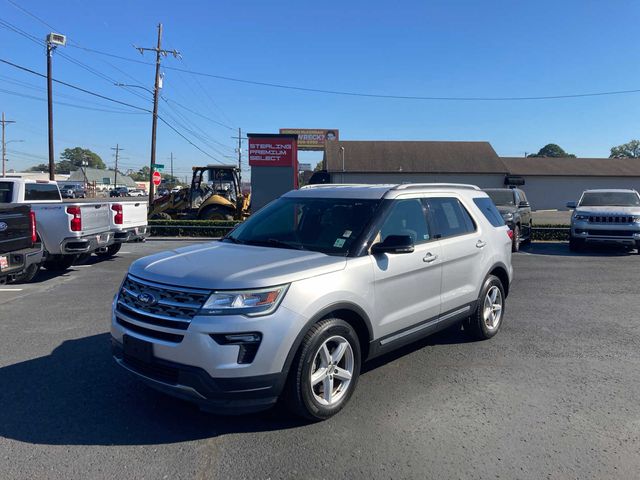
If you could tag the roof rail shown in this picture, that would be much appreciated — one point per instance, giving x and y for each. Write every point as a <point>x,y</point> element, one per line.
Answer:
<point>333,185</point>
<point>406,186</point>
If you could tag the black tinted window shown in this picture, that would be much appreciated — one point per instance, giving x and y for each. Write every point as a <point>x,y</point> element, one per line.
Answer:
<point>6,192</point>
<point>407,217</point>
<point>450,217</point>
<point>41,191</point>
<point>490,211</point>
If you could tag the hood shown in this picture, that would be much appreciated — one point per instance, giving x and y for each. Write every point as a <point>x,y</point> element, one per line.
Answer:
<point>620,211</point>
<point>506,209</point>
<point>221,265</point>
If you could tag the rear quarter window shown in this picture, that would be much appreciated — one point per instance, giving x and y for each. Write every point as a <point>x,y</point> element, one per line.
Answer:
<point>489,210</point>
<point>41,191</point>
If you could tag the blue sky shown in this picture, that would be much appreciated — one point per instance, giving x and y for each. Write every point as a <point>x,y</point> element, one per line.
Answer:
<point>424,48</point>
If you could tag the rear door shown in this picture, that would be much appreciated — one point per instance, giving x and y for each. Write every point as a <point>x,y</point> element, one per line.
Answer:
<point>462,247</point>
<point>407,286</point>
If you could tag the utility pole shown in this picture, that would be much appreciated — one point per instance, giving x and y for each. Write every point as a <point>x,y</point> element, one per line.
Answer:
<point>239,150</point>
<point>172,180</point>
<point>115,175</point>
<point>53,40</point>
<point>157,86</point>
<point>4,144</point>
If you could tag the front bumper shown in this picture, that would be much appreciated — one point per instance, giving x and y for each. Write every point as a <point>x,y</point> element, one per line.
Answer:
<point>219,395</point>
<point>87,243</point>
<point>622,234</point>
<point>133,234</point>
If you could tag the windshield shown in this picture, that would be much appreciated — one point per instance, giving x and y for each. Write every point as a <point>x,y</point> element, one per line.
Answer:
<point>327,225</point>
<point>501,197</point>
<point>610,199</point>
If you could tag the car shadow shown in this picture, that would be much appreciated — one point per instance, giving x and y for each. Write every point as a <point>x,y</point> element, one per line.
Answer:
<point>77,395</point>
<point>562,249</point>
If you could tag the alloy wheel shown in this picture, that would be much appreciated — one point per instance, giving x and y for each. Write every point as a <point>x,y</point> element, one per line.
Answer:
<point>492,309</point>
<point>332,370</point>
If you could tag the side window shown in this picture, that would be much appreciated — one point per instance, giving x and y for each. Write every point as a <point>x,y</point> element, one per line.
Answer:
<point>407,217</point>
<point>41,191</point>
<point>489,210</point>
<point>450,217</point>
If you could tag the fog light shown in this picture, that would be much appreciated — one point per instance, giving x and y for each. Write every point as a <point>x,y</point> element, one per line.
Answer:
<point>248,342</point>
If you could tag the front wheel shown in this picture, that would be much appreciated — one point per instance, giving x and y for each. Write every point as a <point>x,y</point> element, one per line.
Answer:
<point>576,244</point>
<point>325,371</point>
<point>487,319</point>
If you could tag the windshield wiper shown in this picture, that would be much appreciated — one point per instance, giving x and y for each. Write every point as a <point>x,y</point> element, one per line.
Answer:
<point>273,242</point>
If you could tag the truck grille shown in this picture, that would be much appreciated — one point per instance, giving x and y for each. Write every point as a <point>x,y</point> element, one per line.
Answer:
<point>159,305</point>
<point>612,233</point>
<point>610,219</point>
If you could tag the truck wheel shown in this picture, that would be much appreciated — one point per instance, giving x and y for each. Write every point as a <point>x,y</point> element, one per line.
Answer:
<point>59,263</point>
<point>111,251</point>
<point>28,275</point>
<point>515,243</point>
<point>530,236</point>
<point>576,244</point>
<point>215,213</point>
<point>325,371</point>
<point>485,322</point>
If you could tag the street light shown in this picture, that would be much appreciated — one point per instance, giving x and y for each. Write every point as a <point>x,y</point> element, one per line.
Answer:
<point>54,40</point>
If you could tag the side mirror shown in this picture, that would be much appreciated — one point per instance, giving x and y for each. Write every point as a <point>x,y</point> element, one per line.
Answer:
<point>524,205</point>
<point>572,205</point>
<point>394,244</point>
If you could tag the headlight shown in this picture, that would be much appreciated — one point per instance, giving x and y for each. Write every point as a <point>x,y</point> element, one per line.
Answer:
<point>245,302</point>
<point>583,218</point>
<point>507,217</point>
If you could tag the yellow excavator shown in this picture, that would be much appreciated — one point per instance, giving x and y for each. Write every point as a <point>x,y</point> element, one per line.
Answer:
<point>214,194</point>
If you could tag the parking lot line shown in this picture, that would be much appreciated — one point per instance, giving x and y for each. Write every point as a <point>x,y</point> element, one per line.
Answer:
<point>11,289</point>
<point>82,266</point>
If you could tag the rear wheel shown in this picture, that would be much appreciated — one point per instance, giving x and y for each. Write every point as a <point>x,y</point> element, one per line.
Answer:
<point>111,251</point>
<point>215,213</point>
<point>59,263</point>
<point>529,234</point>
<point>325,371</point>
<point>487,319</point>
<point>29,274</point>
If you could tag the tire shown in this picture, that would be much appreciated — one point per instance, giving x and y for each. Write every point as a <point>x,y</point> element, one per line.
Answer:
<point>309,401</point>
<point>160,216</point>
<point>485,322</point>
<point>28,275</point>
<point>515,242</point>
<point>215,213</point>
<point>576,244</point>
<point>59,263</point>
<point>111,251</point>
<point>530,236</point>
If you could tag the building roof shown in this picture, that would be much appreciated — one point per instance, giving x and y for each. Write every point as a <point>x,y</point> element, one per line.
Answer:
<point>97,175</point>
<point>567,166</point>
<point>413,156</point>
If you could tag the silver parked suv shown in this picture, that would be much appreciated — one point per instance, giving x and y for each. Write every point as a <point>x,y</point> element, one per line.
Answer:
<point>292,301</point>
<point>606,217</point>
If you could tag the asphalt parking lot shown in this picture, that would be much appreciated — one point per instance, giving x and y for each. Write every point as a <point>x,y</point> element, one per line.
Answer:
<point>553,395</point>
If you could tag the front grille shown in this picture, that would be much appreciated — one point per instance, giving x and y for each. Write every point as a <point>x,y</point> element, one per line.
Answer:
<point>154,370</point>
<point>157,334</point>
<point>610,219</point>
<point>612,233</point>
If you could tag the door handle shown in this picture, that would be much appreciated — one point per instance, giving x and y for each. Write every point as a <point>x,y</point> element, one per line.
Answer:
<point>429,257</point>
<point>480,244</point>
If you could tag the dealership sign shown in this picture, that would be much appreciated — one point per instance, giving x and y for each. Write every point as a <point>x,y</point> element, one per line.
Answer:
<point>312,139</point>
<point>272,150</point>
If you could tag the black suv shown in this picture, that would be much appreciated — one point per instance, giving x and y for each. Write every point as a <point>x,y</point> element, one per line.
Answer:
<point>516,212</point>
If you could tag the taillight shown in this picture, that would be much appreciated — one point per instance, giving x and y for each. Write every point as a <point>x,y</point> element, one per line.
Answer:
<point>118,219</point>
<point>34,234</point>
<point>76,221</point>
<point>510,233</point>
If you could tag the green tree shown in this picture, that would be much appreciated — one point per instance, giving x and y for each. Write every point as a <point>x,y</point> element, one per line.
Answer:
<point>43,167</point>
<point>552,150</point>
<point>141,175</point>
<point>71,159</point>
<point>626,150</point>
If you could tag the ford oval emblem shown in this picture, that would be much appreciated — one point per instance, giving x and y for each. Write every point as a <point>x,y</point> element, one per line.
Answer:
<point>3,226</point>
<point>147,299</point>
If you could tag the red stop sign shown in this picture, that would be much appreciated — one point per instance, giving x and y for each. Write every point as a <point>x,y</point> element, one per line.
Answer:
<point>157,178</point>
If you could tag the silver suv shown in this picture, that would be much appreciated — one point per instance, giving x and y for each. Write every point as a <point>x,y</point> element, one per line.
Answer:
<point>292,301</point>
<point>606,217</point>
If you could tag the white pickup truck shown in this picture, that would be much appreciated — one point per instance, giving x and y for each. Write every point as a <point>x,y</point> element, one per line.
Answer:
<point>67,229</point>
